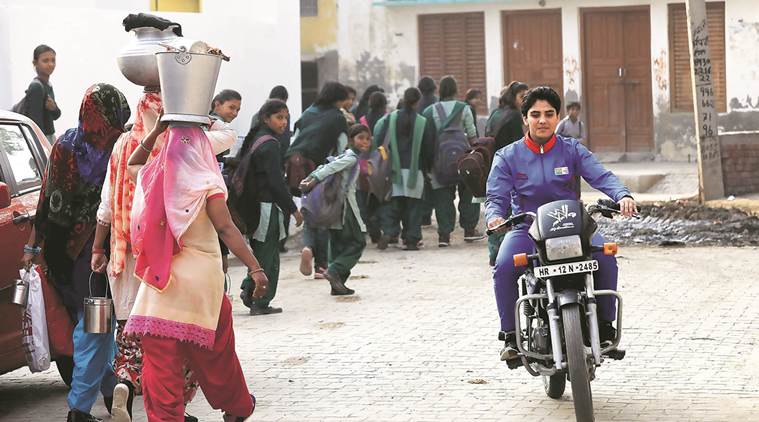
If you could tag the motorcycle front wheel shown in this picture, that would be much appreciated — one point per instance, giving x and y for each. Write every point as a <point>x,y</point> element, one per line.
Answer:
<point>578,364</point>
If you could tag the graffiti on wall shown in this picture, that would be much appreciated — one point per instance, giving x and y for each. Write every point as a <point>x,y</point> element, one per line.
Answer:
<point>660,71</point>
<point>572,72</point>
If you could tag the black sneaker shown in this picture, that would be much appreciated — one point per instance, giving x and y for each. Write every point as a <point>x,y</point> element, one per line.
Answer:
<point>509,351</point>
<point>606,331</point>
<point>443,241</point>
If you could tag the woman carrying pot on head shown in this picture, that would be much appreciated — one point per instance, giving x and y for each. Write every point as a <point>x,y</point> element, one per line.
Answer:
<point>65,226</point>
<point>181,311</point>
<point>114,218</point>
<point>264,199</point>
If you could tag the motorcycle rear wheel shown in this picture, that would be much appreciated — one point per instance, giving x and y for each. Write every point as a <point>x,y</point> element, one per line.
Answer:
<point>555,385</point>
<point>578,364</point>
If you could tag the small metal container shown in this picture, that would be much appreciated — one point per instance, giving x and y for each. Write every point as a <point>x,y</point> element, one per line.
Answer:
<point>20,293</point>
<point>98,312</point>
<point>188,81</point>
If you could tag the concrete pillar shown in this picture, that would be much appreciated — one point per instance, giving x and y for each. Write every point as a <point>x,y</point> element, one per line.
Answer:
<point>711,185</point>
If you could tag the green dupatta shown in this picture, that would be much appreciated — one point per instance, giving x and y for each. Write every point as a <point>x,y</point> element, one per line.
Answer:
<point>416,147</point>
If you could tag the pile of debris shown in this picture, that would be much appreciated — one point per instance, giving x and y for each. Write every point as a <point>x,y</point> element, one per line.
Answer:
<point>683,223</point>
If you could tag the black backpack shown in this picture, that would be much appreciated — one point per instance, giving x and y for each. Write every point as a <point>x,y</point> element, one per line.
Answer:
<point>244,206</point>
<point>22,107</point>
<point>452,143</point>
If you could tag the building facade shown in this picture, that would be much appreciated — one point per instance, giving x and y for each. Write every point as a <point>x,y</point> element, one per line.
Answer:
<point>261,37</point>
<point>625,61</point>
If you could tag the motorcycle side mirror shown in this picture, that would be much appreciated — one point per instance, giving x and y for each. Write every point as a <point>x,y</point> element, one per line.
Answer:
<point>5,196</point>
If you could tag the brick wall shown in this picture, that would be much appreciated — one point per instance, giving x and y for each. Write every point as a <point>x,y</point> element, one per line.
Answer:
<point>740,162</point>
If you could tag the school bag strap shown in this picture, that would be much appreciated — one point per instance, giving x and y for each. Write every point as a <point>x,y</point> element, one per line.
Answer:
<point>447,119</point>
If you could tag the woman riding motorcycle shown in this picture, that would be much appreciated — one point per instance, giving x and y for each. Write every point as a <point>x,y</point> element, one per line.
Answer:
<point>540,168</point>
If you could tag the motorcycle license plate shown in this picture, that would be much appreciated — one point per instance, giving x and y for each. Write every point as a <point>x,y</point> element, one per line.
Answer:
<point>564,269</point>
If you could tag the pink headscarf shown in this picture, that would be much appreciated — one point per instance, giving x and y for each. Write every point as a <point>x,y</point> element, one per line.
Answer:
<point>175,185</point>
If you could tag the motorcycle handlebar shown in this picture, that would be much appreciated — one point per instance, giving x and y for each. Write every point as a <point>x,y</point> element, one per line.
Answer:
<point>511,222</point>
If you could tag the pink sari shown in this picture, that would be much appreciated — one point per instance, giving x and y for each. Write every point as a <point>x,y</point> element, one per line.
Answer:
<point>175,185</point>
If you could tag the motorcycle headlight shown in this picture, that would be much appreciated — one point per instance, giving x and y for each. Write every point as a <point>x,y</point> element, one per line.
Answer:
<point>566,247</point>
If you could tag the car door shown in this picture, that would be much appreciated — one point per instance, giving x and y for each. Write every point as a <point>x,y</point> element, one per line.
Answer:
<point>21,169</point>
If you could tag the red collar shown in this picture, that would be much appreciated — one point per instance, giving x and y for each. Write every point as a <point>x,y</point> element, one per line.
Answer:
<point>536,148</point>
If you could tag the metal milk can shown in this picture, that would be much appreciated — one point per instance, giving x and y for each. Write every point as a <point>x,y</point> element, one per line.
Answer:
<point>21,293</point>
<point>98,312</point>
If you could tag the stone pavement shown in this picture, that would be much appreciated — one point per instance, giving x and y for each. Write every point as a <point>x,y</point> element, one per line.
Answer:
<point>418,343</point>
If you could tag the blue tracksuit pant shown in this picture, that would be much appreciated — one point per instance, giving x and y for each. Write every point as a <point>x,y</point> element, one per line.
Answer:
<point>93,367</point>
<point>505,277</point>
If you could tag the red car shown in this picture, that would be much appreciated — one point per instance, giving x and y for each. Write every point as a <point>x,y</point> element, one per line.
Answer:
<point>24,151</point>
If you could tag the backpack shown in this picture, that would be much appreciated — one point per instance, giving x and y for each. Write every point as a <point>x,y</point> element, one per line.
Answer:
<point>322,206</point>
<point>380,166</point>
<point>297,167</point>
<point>22,107</point>
<point>244,207</point>
<point>451,144</point>
<point>474,166</point>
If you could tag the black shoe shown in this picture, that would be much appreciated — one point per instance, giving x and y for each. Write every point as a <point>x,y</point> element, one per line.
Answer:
<point>606,331</point>
<point>443,241</point>
<point>509,351</point>
<point>78,416</point>
<point>246,295</point>
<point>492,262</point>
<point>375,238</point>
<point>190,418</point>
<point>257,310</point>
<point>411,247</point>
<point>337,284</point>
<point>383,242</point>
<point>426,221</point>
<point>394,240</point>
<point>472,235</point>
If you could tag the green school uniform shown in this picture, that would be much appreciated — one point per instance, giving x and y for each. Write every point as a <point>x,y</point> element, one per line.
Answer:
<point>346,238</point>
<point>442,197</point>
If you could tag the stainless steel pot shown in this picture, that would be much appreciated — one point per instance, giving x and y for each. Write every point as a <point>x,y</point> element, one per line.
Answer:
<point>188,81</point>
<point>137,60</point>
<point>21,293</point>
<point>98,312</point>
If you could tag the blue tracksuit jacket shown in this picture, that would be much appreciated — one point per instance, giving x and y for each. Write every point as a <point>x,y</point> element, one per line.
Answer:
<point>525,176</point>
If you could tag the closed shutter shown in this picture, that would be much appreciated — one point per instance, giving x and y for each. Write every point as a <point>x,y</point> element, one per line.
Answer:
<point>454,44</point>
<point>681,90</point>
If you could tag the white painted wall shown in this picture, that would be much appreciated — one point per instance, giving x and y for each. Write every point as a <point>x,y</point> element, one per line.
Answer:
<point>261,37</point>
<point>742,51</point>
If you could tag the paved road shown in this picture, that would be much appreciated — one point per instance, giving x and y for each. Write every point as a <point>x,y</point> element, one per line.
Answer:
<point>417,343</point>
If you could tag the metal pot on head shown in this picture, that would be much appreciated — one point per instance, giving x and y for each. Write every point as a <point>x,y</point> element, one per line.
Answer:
<point>188,80</point>
<point>137,60</point>
<point>98,312</point>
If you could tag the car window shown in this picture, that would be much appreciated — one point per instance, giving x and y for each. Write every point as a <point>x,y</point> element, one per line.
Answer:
<point>23,166</point>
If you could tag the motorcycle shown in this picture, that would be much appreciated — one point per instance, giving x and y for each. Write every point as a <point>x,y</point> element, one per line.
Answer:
<point>558,338</point>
